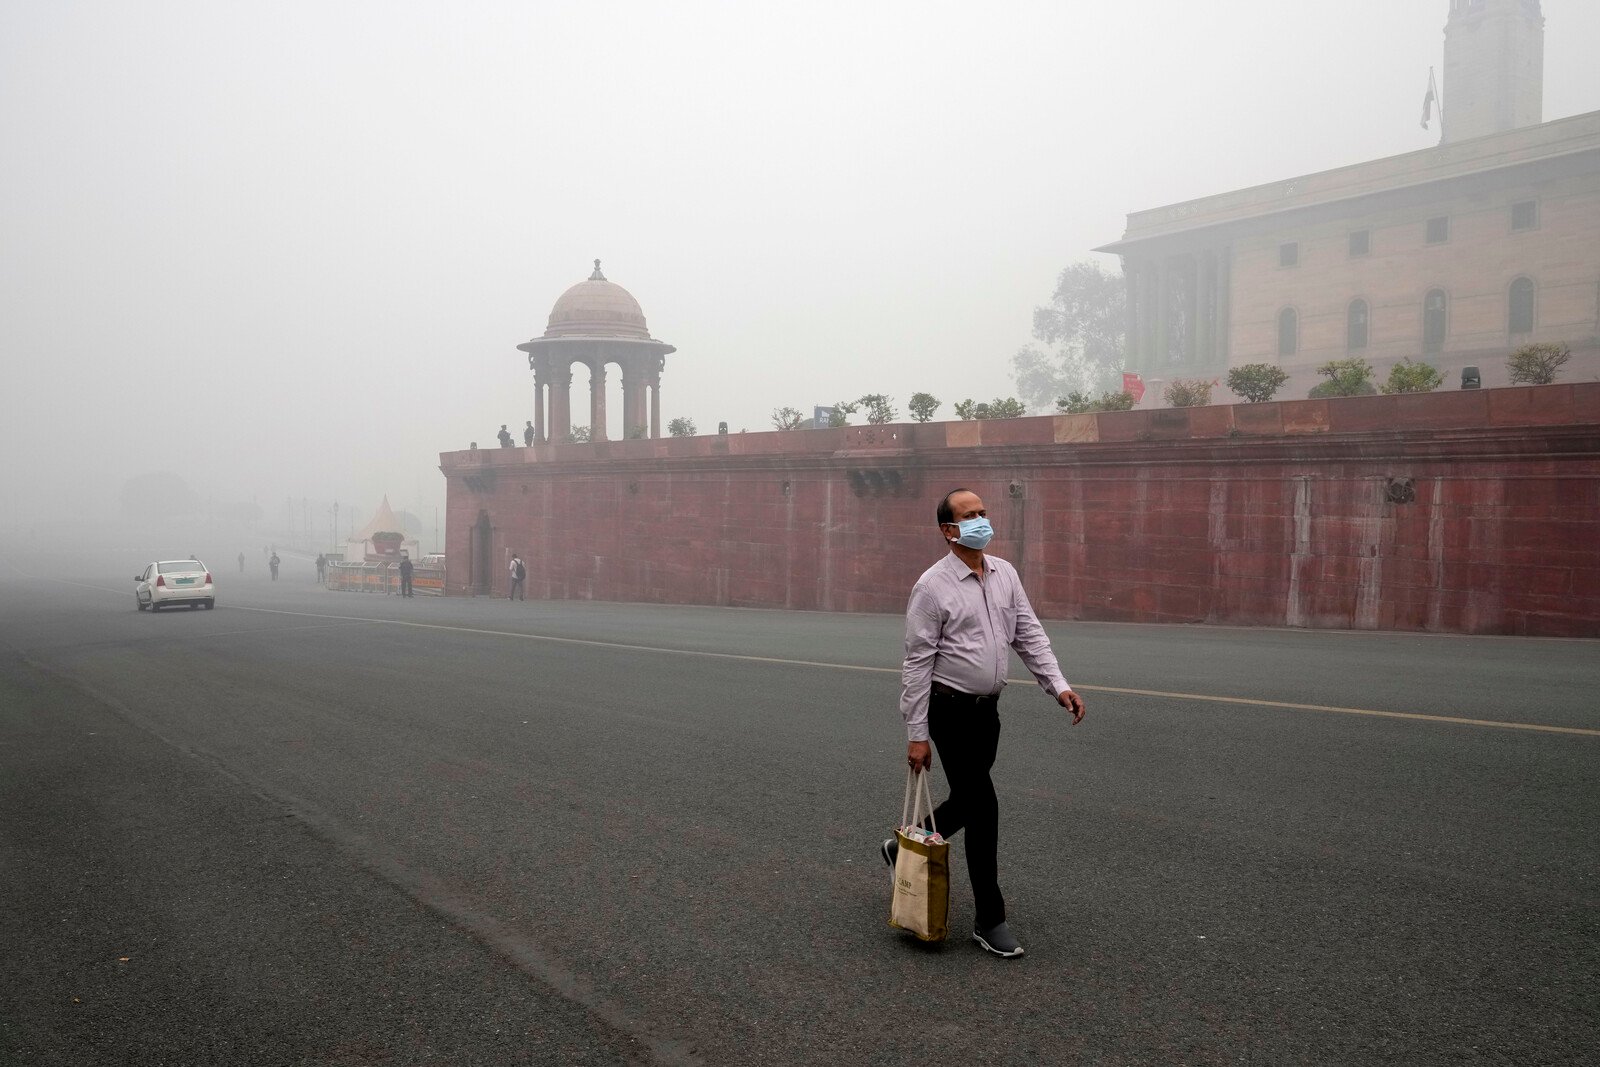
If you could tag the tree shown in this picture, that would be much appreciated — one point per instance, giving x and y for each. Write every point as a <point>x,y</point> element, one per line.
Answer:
<point>1409,377</point>
<point>840,415</point>
<point>923,405</point>
<point>578,435</point>
<point>999,408</point>
<point>1081,403</point>
<point>1188,392</point>
<point>787,418</point>
<point>1537,364</point>
<point>879,409</point>
<point>638,433</point>
<point>682,428</point>
<point>1084,325</point>
<point>1256,382</point>
<point>1346,377</point>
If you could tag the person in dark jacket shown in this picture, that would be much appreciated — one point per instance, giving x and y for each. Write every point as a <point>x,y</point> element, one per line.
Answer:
<point>405,576</point>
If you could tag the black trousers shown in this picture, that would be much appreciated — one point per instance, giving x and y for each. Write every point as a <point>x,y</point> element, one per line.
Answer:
<point>966,732</point>
<point>516,590</point>
<point>405,585</point>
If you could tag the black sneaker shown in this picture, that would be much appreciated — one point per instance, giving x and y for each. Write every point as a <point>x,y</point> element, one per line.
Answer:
<point>999,941</point>
<point>890,850</point>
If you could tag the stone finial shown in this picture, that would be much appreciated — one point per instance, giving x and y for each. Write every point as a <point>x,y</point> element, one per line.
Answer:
<point>597,276</point>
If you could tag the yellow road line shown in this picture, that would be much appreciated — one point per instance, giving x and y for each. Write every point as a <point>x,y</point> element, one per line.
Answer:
<point>1455,720</point>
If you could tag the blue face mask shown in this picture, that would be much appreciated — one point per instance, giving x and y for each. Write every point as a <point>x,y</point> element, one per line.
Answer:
<point>975,533</point>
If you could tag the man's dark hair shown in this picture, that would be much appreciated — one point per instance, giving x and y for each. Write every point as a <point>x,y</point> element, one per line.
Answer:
<point>946,516</point>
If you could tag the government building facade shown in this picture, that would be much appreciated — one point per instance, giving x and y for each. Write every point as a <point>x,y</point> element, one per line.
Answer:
<point>1455,255</point>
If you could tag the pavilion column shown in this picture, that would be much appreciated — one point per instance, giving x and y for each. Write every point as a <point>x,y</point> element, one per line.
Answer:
<point>633,417</point>
<point>654,385</point>
<point>538,404</point>
<point>1130,275</point>
<point>561,404</point>
<point>597,402</point>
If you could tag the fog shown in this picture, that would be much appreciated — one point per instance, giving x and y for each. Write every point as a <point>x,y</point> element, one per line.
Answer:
<point>286,251</point>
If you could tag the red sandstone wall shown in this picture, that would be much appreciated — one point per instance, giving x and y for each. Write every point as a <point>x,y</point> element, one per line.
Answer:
<point>1475,512</point>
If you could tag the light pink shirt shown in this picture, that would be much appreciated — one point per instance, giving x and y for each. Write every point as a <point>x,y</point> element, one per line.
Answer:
<point>957,633</point>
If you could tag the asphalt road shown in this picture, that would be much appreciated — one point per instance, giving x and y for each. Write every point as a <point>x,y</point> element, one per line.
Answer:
<point>324,828</point>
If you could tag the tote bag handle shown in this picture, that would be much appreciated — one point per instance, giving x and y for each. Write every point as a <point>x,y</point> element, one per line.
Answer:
<point>911,808</point>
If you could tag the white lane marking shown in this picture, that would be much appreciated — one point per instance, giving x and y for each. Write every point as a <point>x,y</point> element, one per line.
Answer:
<point>1412,716</point>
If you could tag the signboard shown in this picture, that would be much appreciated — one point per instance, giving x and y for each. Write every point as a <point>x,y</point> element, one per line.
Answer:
<point>1133,385</point>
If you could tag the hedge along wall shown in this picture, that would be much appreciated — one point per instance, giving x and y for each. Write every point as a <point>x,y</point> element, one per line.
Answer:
<point>1467,512</point>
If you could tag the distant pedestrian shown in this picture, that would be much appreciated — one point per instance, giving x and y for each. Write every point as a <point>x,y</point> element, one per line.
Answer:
<point>322,568</point>
<point>405,575</point>
<point>273,563</point>
<point>241,563</point>
<point>519,574</point>
<point>505,436</point>
<point>528,434</point>
<point>966,611</point>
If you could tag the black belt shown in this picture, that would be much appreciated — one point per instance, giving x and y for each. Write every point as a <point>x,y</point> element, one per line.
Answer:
<point>939,689</point>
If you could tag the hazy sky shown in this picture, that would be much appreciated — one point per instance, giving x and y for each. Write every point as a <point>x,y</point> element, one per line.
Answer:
<point>289,249</point>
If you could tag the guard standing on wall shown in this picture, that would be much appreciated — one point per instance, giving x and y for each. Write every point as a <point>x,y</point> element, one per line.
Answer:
<point>528,435</point>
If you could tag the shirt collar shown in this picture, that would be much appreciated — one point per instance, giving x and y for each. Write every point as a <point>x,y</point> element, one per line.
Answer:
<point>962,571</point>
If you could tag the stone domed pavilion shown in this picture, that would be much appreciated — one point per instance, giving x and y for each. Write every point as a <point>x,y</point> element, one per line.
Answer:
<point>596,323</point>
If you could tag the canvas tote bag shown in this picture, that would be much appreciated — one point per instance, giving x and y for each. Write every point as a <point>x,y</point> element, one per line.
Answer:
<point>921,903</point>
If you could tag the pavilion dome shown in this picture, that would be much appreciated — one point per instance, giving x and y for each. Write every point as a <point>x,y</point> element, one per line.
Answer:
<point>597,308</point>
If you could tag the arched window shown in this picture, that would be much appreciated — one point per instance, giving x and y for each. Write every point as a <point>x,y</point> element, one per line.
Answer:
<point>1435,319</point>
<point>1355,330</point>
<point>1520,316</point>
<point>1288,332</point>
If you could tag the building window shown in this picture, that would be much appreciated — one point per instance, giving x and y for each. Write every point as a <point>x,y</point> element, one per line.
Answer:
<point>1288,332</point>
<point>1360,242</point>
<point>1435,319</point>
<point>1520,313</point>
<point>1356,325</point>
<point>1525,215</point>
<point>1289,254</point>
<point>1439,230</point>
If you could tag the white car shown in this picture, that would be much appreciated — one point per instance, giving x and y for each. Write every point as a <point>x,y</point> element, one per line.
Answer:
<point>174,581</point>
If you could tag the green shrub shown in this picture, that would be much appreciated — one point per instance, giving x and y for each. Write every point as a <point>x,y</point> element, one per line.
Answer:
<point>1346,377</point>
<point>1409,377</point>
<point>1256,382</point>
<point>1081,403</point>
<point>1188,392</point>
<point>1537,364</point>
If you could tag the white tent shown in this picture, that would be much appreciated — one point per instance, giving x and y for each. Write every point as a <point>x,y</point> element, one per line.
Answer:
<point>360,546</point>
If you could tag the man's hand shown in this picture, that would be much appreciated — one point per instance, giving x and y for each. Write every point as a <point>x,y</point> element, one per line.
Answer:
<point>919,754</point>
<point>1073,703</point>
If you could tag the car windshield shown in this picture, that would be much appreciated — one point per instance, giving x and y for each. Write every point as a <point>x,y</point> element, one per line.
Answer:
<point>181,566</point>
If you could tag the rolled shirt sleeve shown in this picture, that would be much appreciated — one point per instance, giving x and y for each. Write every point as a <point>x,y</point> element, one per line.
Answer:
<point>916,673</point>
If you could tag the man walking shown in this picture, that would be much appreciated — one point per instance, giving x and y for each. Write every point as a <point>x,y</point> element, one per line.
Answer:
<point>518,574</point>
<point>405,575</point>
<point>273,564</point>
<point>965,611</point>
<point>322,568</point>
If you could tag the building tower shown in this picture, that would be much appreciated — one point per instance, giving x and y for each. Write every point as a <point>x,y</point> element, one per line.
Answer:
<point>1493,67</point>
